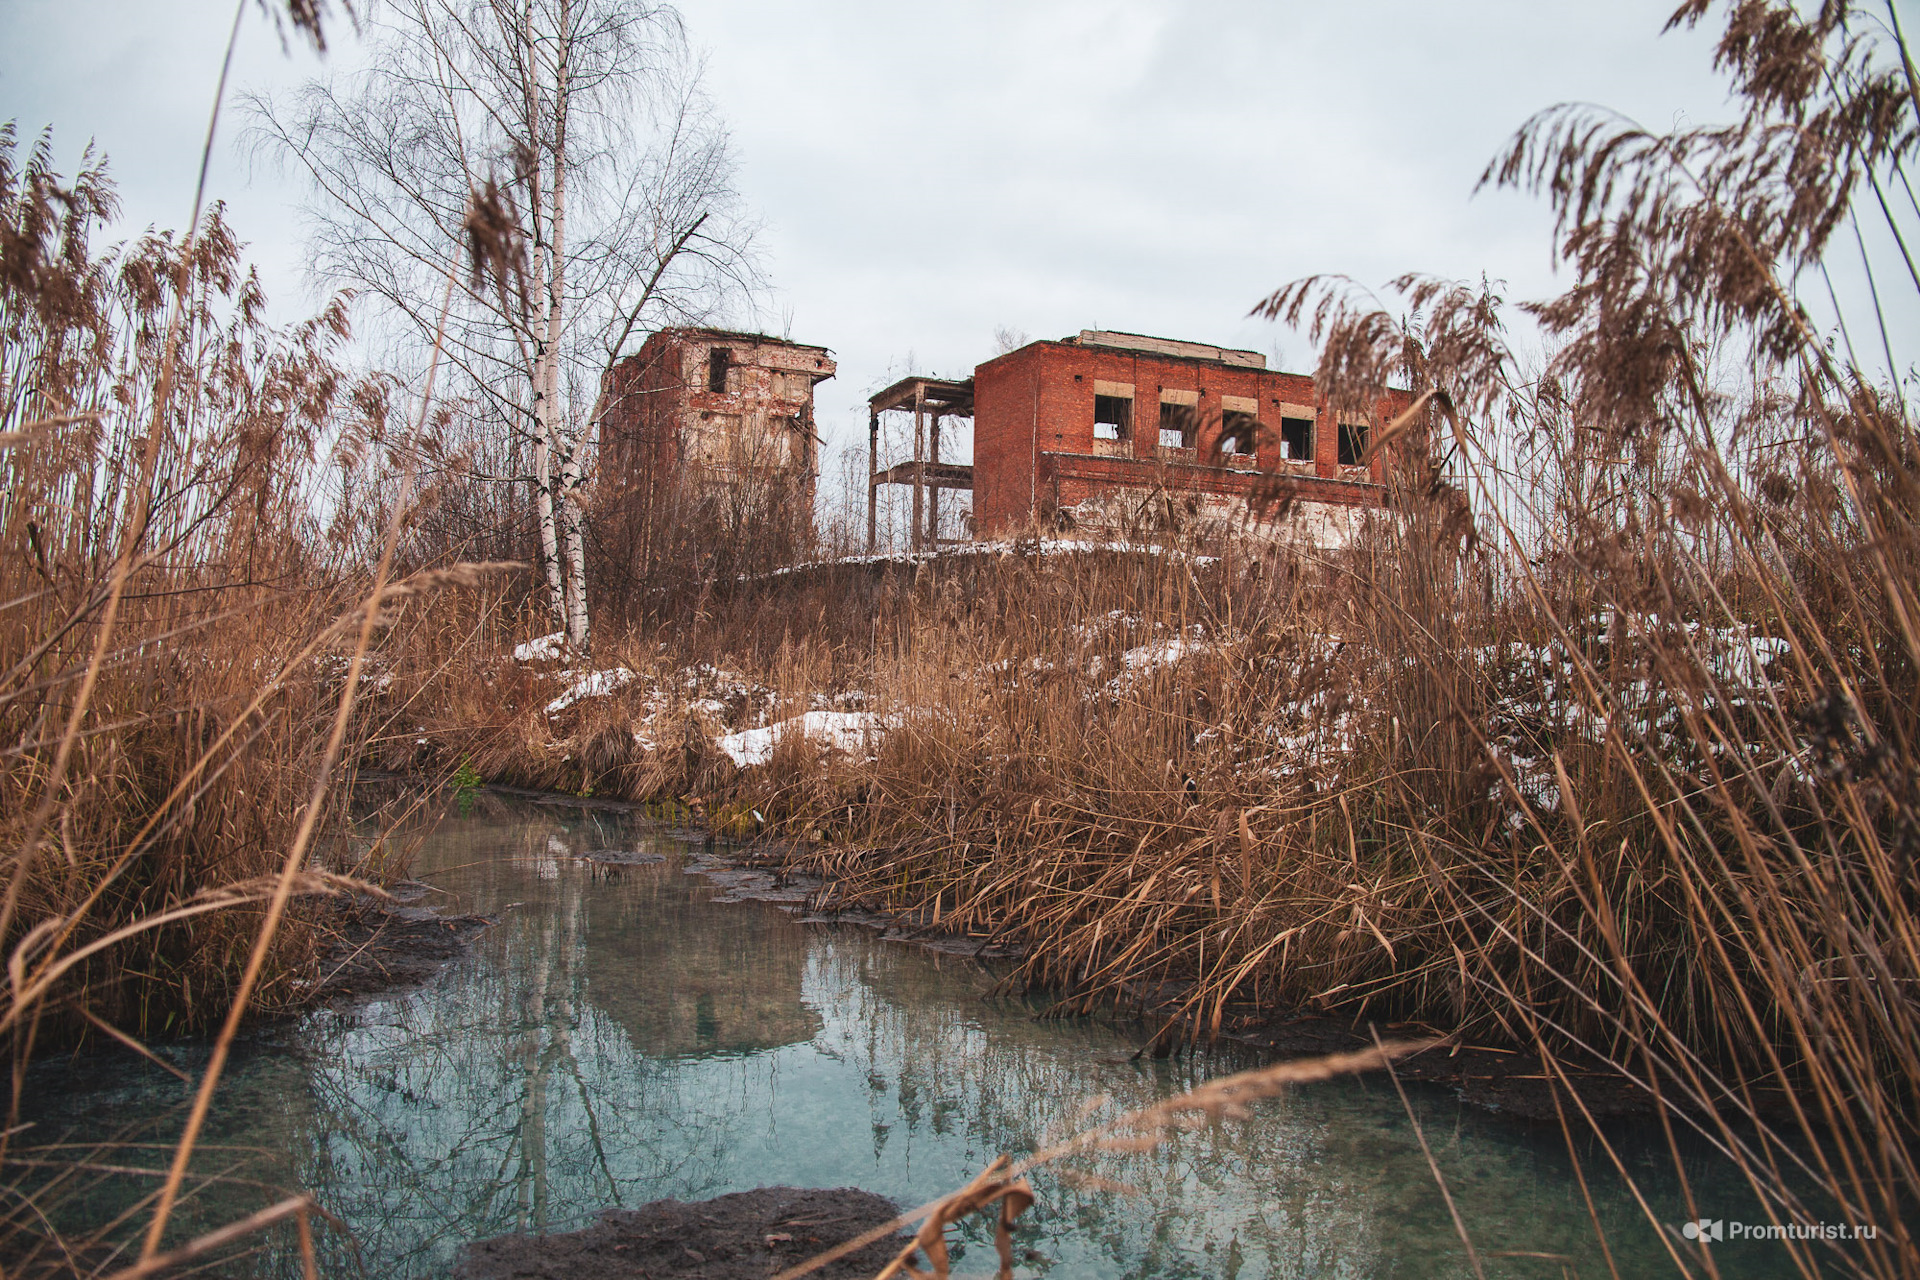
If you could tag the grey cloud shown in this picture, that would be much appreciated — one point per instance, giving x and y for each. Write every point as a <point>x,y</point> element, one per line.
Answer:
<point>929,172</point>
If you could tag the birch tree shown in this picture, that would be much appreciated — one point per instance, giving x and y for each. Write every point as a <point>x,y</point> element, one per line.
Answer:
<point>607,181</point>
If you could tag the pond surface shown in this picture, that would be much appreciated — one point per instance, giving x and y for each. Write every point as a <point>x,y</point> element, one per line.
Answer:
<point>620,1037</point>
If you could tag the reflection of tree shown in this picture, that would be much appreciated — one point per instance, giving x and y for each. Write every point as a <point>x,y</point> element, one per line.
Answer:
<point>619,1038</point>
<point>505,1097</point>
<point>1329,1183</point>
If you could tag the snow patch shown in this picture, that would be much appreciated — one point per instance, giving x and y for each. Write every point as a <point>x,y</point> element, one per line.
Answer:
<point>856,733</point>
<point>545,649</point>
<point>1149,657</point>
<point>595,684</point>
<point>1046,547</point>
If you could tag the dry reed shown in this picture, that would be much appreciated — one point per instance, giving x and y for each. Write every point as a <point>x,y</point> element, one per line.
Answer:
<point>1601,740</point>
<point>181,646</point>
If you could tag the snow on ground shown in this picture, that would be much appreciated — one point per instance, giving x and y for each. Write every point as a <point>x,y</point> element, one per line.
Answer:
<point>1538,696</point>
<point>1141,662</point>
<point>716,700</point>
<point>1093,630</point>
<point>1046,547</point>
<point>725,683</point>
<point>545,649</point>
<point>595,684</point>
<point>645,737</point>
<point>856,733</point>
<point>375,676</point>
<point>1166,653</point>
<point>1541,699</point>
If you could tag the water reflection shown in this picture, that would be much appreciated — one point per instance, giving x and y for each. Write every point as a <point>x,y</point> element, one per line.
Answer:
<point>685,978</point>
<point>620,1038</point>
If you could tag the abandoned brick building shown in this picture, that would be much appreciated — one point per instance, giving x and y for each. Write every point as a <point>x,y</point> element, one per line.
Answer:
<point>1081,433</point>
<point>711,421</point>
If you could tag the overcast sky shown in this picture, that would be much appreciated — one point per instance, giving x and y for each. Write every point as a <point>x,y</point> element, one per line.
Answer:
<point>926,173</point>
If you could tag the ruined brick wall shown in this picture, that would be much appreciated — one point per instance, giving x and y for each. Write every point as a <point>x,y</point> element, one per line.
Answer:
<point>636,425</point>
<point>1036,447</point>
<point>1005,414</point>
<point>709,420</point>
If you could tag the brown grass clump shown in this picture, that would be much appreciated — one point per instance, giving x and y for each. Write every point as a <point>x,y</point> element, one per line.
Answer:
<point>160,583</point>
<point>180,647</point>
<point>1601,740</point>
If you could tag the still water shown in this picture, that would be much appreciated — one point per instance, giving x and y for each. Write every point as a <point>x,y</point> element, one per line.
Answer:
<point>619,1037</point>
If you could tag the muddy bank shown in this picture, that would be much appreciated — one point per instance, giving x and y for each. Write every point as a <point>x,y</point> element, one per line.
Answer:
<point>766,872</point>
<point>749,1235</point>
<point>379,947</point>
<point>1495,1078</point>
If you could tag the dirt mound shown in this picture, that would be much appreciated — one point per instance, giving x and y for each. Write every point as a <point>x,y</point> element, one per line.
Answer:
<point>749,1235</point>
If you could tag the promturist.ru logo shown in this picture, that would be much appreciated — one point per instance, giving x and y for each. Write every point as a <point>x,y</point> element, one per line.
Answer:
<point>1714,1230</point>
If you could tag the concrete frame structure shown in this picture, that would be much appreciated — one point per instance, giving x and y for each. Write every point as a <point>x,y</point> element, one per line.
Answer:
<point>929,400</point>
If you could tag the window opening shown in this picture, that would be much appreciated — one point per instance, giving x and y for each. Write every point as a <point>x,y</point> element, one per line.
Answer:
<point>1112,417</point>
<point>1237,429</point>
<point>1353,444</point>
<point>718,360</point>
<point>1297,435</point>
<point>1176,426</point>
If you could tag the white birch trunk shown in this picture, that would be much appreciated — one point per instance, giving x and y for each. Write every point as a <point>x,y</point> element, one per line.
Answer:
<point>549,539</point>
<point>578,633</point>
<point>541,375</point>
<point>574,594</point>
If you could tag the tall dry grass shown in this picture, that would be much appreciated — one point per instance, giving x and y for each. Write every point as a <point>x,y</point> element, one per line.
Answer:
<point>188,614</point>
<point>164,572</point>
<point>1601,741</point>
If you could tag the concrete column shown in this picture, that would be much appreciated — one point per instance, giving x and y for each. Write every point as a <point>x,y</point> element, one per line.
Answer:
<point>873,475</point>
<point>919,466</point>
<point>933,493</point>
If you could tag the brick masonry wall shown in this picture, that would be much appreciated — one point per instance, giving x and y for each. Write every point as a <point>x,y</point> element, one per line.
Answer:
<point>1034,440</point>
<point>1005,412</point>
<point>636,421</point>
<point>658,416</point>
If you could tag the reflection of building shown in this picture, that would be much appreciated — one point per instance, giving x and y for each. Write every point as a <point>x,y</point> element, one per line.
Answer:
<point>716,419</point>
<point>687,976</point>
<point>1086,431</point>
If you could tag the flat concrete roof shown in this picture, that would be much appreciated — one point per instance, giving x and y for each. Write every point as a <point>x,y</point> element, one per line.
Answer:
<point>1174,347</point>
<point>937,395</point>
<point>741,335</point>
